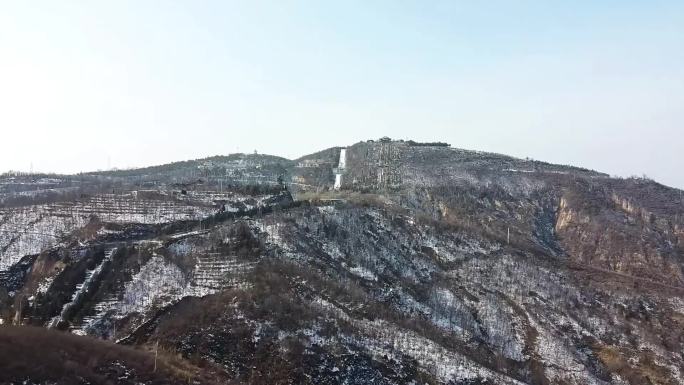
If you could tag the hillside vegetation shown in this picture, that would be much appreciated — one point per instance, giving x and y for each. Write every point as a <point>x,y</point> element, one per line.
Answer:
<point>430,265</point>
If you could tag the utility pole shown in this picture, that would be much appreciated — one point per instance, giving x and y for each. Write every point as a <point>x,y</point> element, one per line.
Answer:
<point>508,237</point>
<point>17,316</point>
<point>156,351</point>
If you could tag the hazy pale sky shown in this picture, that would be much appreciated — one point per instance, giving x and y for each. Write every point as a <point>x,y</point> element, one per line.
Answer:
<point>598,84</point>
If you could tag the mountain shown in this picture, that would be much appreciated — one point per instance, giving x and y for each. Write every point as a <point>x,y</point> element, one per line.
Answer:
<point>389,262</point>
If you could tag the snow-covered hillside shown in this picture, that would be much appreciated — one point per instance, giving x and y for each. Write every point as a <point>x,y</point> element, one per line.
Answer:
<point>429,265</point>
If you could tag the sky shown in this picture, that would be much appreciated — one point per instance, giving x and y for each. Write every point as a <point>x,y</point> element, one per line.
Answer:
<point>92,85</point>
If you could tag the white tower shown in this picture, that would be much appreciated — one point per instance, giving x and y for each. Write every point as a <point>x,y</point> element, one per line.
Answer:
<point>341,168</point>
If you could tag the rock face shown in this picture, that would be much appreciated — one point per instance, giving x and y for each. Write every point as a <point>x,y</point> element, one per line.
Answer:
<point>430,265</point>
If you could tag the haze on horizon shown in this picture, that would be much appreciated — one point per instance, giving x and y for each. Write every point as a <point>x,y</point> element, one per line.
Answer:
<point>87,86</point>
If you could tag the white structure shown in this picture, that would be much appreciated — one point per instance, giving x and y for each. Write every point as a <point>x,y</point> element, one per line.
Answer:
<point>341,167</point>
<point>343,159</point>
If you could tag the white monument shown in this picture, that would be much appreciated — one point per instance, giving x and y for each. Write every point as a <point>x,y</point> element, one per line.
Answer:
<point>341,168</point>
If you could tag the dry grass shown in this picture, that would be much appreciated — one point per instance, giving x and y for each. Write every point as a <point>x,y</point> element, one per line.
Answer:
<point>41,355</point>
<point>643,372</point>
<point>363,199</point>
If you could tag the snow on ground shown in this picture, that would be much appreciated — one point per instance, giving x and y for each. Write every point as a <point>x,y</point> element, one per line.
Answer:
<point>181,248</point>
<point>29,231</point>
<point>503,332</point>
<point>382,339</point>
<point>32,229</point>
<point>447,250</point>
<point>560,363</point>
<point>363,273</point>
<point>127,209</point>
<point>160,283</point>
<point>677,304</point>
<point>82,288</point>
<point>274,236</point>
<point>333,250</point>
<point>188,234</point>
<point>234,202</point>
<point>44,284</point>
